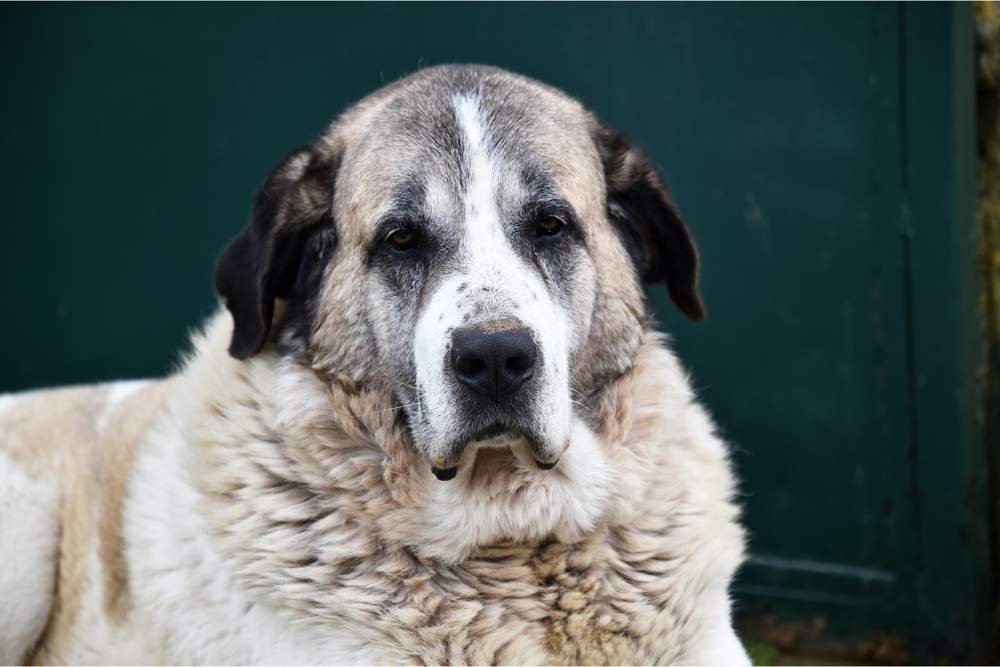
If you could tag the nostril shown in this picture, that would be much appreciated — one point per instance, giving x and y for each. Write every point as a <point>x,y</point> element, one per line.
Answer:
<point>519,364</point>
<point>470,366</point>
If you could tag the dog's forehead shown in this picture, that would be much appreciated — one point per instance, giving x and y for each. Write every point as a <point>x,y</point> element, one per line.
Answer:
<point>408,146</point>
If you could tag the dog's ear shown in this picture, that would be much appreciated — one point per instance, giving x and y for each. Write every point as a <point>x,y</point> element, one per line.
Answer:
<point>647,219</point>
<point>261,263</point>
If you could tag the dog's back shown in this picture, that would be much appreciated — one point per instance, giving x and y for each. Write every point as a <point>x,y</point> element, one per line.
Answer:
<point>65,457</point>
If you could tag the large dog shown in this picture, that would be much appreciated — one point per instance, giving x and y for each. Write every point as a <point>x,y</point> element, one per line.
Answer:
<point>434,423</point>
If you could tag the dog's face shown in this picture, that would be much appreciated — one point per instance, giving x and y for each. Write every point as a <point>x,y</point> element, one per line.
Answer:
<point>475,240</point>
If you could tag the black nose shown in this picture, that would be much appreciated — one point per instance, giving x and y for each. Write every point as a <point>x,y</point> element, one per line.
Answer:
<point>494,365</point>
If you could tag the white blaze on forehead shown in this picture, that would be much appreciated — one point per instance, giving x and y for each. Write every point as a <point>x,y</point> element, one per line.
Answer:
<point>494,283</point>
<point>484,235</point>
<point>467,111</point>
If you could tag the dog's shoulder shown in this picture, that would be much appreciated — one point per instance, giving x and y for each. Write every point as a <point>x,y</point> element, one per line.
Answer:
<point>39,427</point>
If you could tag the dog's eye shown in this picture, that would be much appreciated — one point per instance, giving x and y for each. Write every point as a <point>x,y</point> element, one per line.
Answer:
<point>402,240</point>
<point>550,226</point>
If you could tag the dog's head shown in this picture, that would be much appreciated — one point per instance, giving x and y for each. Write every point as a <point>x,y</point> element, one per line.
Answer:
<point>476,240</point>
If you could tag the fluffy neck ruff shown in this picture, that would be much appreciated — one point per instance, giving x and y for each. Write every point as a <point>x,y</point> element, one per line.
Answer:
<point>316,498</point>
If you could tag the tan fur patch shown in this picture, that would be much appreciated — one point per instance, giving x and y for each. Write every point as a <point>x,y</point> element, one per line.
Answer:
<point>36,429</point>
<point>129,419</point>
<point>55,435</point>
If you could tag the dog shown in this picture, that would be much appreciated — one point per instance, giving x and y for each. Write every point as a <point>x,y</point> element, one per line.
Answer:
<point>433,423</point>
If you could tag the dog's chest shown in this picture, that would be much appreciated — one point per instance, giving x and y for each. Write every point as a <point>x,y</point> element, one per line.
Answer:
<point>554,604</point>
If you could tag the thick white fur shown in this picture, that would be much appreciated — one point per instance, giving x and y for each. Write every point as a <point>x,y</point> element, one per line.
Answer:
<point>182,583</point>
<point>564,505</point>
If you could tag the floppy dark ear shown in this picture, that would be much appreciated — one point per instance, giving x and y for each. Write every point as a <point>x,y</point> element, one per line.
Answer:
<point>650,225</point>
<point>261,263</point>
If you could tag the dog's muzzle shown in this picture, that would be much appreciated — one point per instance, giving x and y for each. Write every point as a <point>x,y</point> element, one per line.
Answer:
<point>492,363</point>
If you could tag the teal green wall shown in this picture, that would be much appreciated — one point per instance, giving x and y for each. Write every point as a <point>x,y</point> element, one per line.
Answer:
<point>821,152</point>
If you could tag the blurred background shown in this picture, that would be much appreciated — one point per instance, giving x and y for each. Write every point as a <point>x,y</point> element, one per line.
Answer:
<point>838,165</point>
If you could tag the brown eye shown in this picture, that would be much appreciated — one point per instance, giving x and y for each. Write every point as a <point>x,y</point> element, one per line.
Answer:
<point>550,226</point>
<point>402,239</point>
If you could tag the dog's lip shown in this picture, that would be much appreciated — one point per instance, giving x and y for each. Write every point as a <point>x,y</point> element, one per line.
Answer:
<point>444,474</point>
<point>547,465</point>
<point>495,435</point>
<point>498,435</point>
<point>496,431</point>
<point>500,440</point>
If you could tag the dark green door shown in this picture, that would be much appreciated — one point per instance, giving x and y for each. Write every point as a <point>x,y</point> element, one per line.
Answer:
<point>821,152</point>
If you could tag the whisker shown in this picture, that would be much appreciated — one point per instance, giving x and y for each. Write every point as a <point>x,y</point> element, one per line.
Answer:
<point>399,382</point>
<point>393,409</point>
<point>581,395</point>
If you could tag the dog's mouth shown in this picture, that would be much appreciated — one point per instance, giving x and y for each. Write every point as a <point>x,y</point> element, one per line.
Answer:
<point>494,436</point>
